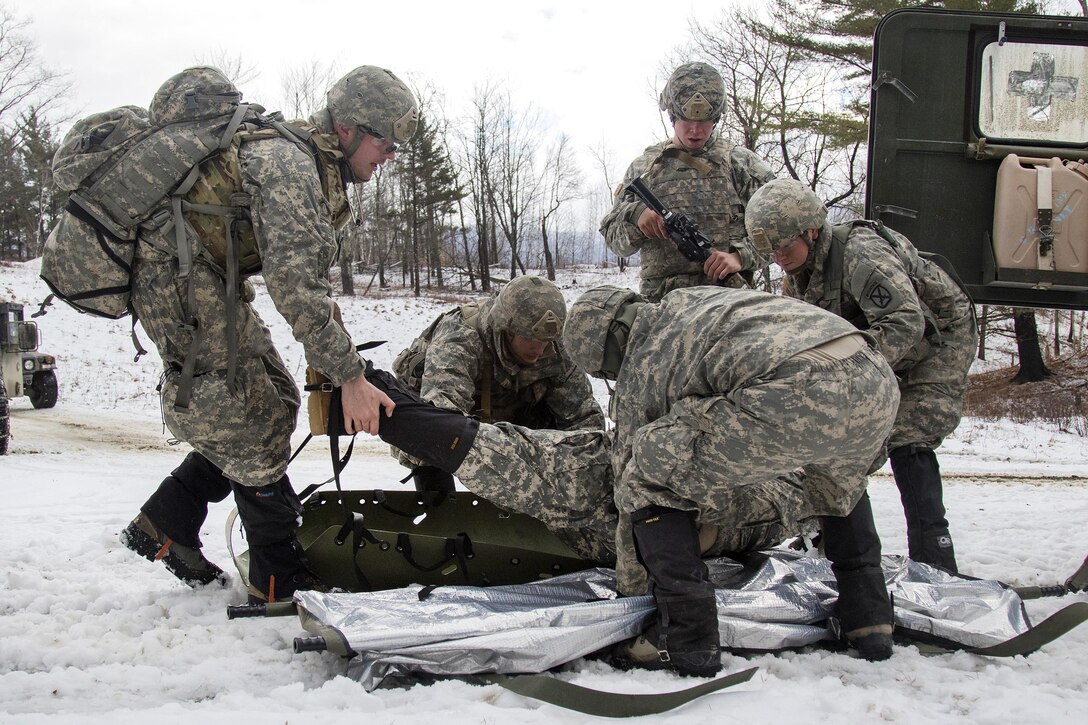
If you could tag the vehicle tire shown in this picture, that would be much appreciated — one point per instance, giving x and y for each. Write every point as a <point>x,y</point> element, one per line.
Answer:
<point>5,430</point>
<point>43,391</point>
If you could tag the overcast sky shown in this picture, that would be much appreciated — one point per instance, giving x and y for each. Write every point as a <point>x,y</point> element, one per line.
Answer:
<point>591,66</point>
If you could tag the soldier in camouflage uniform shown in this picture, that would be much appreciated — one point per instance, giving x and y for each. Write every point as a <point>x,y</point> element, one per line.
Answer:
<point>699,173</point>
<point>241,432</point>
<point>717,390</point>
<point>500,360</point>
<point>565,478</point>
<point>711,429</point>
<point>921,319</point>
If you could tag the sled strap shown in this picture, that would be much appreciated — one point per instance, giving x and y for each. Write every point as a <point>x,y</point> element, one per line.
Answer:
<point>1045,632</point>
<point>611,704</point>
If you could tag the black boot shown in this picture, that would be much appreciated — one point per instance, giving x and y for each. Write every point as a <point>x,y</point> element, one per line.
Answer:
<point>685,636</point>
<point>277,566</point>
<point>864,608</point>
<point>919,480</point>
<point>429,478</point>
<point>168,527</point>
<point>438,437</point>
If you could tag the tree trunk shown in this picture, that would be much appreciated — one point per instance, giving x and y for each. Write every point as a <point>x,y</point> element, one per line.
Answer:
<point>549,263</point>
<point>983,327</point>
<point>1032,367</point>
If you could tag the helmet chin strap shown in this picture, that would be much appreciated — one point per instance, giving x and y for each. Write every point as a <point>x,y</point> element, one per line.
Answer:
<point>356,142</point>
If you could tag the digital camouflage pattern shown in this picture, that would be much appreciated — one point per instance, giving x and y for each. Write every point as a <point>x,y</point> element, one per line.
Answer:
<point>711,401</point>
<point>695,92</point>
<point>565,479</point>
<point>465,348</point>
<point>587,329</point>
<point>712,186</point>
<point>780,211</point>
<point>920,318</point>
<point>376,99</point>
<point>530,307</point>
<point>246,430</point>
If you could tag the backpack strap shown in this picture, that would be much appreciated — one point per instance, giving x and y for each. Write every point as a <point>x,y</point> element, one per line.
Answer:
<point>833,269</point>
<point>185,268</point>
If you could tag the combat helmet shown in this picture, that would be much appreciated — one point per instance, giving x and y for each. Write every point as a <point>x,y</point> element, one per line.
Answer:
<point>595,335</point>
<point>375,100</point>
<point>529,307</point>
<point>780,211</point>
<point>695,92</point>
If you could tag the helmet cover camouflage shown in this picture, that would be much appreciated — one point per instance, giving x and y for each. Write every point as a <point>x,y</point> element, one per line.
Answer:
<point>377,100</point>
<point>530,307</point>
<point>780,211</point>
<point>695,92</point>
<point>589,323</point>
<point>192,94</point>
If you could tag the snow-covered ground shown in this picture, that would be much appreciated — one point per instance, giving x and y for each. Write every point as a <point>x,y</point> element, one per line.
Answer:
<point>91,633</point>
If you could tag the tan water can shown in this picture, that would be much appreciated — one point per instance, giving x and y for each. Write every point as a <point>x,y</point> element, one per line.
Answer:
<point>1020,242</point>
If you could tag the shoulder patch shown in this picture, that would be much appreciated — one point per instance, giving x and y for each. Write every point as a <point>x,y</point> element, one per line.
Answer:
<point>880,296</point>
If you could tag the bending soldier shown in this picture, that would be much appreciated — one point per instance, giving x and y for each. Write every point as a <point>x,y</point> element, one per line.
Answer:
<point>709,429</point>
<point>699,173</point>
<point>500,360</point>
<point>922,321</point>
<point>241,433</point>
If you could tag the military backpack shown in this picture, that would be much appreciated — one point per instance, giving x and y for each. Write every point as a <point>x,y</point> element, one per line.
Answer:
<point>169,172</point>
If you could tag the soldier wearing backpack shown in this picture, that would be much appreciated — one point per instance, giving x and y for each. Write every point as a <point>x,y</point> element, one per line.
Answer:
<point>225,391</point>
<point>920,316</point>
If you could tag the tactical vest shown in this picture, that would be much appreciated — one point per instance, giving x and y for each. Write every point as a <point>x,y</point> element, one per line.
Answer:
<point>702,187</point>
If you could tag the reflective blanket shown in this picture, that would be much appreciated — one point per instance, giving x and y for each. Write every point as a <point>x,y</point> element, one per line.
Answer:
<point>781,600</point>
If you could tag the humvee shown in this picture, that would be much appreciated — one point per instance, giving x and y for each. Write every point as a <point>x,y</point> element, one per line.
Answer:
<point>978,142</point>
<point>23,370</point>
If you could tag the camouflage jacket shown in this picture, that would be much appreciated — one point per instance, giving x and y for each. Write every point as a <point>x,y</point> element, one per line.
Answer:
<point>699,345</point>
<point>465,354</point>
<point>903,300</point>
<point>292,223</point>
<point>711,185</point>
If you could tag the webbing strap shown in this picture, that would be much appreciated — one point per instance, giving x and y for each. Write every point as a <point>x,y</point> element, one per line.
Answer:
<point>185,268</point>
<point>1027,642</point>
<point>1044,200</point>
<point>611,704</point>
<point>231,302</point>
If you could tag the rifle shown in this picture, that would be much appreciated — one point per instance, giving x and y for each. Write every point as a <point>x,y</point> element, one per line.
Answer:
<point>684,232</point>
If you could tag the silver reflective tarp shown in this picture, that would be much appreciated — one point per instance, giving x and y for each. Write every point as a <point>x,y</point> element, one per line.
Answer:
<point>785,601</point>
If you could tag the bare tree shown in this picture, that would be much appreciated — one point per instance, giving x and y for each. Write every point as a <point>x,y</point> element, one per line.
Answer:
<point>478,152</point>
<point>303,88</point>
<point>25,81</point>
<point>604,198</point>
<point>233,66</point>
<point>515,186</point>
<point>784,106</point>
<point>562,182</point>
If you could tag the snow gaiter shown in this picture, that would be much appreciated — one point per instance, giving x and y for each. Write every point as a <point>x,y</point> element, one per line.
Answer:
<point>180,504</point>
<point>919,480</point>
<point>864,608</point>
<point>438,437</point>
<point>686,631</point>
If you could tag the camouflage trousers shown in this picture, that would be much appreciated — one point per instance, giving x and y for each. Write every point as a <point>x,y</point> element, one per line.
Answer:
<point>245,430</point>
<point>713,455</point>
<point>931,392</point>
<point>564,478</point>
